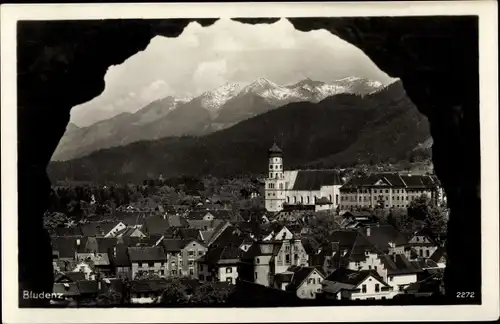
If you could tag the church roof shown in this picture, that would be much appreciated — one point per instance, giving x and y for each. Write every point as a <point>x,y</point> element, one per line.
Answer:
<point>275,150</point>
<point>308,180</point>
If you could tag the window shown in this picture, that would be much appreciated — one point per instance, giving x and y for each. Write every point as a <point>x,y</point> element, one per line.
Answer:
<point>386,191</point>
<point>295,257</point>
<point>377,288</point>
<point>281,186</point>
<point>369,267</point>
<point>229,280</point>
<point>383,298</point>
<point>180,263</point>
<point>390,278</point>
<point>191,263</point>
<point>258,260</point>
<point>229,270</point>
<point>427,253</point>
<point>191,271</point>
<point>287,258</point>
<point>375,268</point>
<point>162,263</point>
<point>406,198</point>
<point>151,264</point>
<point>139,264</point>
<point>271,166</point>
<point>200,253</point>
<point>173,272</point>
<point>421,252</point>
<point>418,239</point>
<point>363,288</point>
<point>162,272</point>
<point>256,275</point>
<point>202,277</point>
<point>336,199</point>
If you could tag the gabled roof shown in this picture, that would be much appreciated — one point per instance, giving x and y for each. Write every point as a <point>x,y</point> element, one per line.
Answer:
<point>398,264</point>
<point>354,278</point>
<point>189,233</point>
<point>176,245</point>
<point>381,235</point>
<point>315,179</point>
<point>206,235</point>
<point>300,274</point>
<point>220,254</point>
<point>155,225</point>
<point>418,181</point>
<point>138,254</point>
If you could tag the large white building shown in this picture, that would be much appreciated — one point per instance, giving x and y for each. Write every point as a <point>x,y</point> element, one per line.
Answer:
<point>315,188</point>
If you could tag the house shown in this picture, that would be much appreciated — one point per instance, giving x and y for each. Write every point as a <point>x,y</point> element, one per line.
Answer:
<point>147,291</point>
<point>72,286</point>
<point>305,282</point>
<point>147,261</point>
<point>182,256</point>
<point>345,284</point>
<point>386,190</point>
<point>121,262</point>
<point>423,244</point>
<point>400,271</point>
<point>93,265</point>
<point>264,259</point>
<point>220,264</point>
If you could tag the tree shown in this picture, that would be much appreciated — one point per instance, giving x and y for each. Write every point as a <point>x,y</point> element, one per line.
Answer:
<point>211,294</point>
<point>145,275</point>
<point>55,220</point>
<point>110,297</point>
<point>423,209</point>
<point>175,294</point>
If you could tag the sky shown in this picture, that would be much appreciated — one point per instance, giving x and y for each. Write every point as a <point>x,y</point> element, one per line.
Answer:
<point>204,58</point>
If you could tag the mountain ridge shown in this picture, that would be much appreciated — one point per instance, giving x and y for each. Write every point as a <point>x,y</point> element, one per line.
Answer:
<point>339,131</point>
<point>213,110</point>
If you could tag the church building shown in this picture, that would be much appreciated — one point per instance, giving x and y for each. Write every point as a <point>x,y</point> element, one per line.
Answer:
<point>318,189</point>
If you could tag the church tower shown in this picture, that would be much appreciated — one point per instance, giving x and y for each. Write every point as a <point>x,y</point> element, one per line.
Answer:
<point>275,182</point>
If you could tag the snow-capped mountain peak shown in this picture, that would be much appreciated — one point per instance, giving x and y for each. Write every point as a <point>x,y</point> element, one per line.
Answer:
<point>213,100</point>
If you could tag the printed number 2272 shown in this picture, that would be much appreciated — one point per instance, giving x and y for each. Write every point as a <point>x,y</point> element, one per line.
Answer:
<point>465,294</point>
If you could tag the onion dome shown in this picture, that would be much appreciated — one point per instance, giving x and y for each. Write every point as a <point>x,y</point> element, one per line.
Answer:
<point>275,150</point>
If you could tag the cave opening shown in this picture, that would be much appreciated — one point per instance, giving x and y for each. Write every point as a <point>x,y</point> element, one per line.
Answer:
<point>62,64</point>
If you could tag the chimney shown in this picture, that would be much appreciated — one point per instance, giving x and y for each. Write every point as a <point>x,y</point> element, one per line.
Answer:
<point>78,242</point>
<point>368,231</point>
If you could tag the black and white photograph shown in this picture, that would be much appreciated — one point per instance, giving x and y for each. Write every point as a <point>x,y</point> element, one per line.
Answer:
<point>258,159</point>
